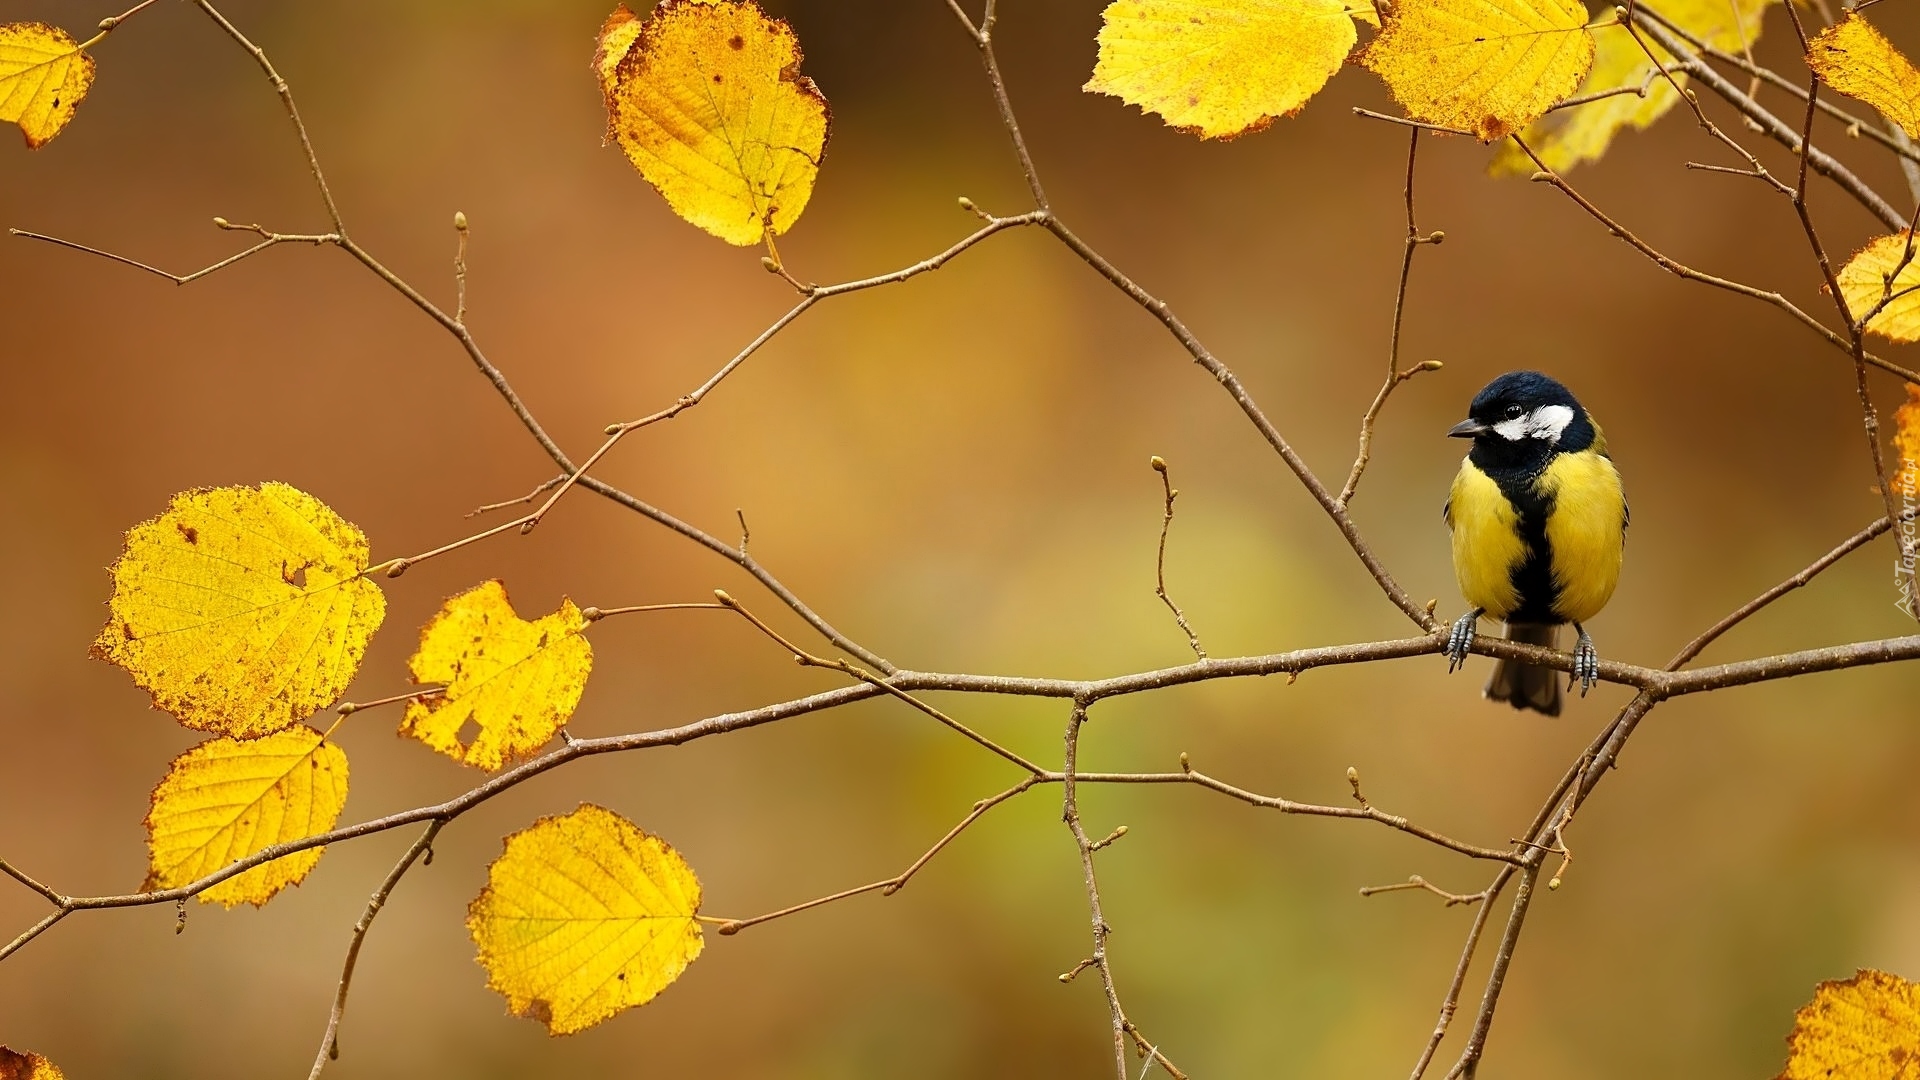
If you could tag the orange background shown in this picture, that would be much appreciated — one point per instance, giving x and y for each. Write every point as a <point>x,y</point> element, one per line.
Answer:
<point>954,471</point>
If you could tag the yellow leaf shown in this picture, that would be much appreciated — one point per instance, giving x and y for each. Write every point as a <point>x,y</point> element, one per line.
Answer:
<point>1221,68</point>
<point>1486,66</point>
<point>585,915</point>
<point>1567,137</point>
<point>1867,1028</point>
<point>17,1066</point>
<point>43,76</point>
<point>1906,445</point>
<point>1864,284</point>
<point>709,104</point>
<point>515,681</point>
<point>224,800</point>
<point>1857,60</point>
<point>242,610</point>
<point>616,37</point>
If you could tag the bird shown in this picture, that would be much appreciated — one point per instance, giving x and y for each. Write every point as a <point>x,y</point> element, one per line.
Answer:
<point>1539,521</point>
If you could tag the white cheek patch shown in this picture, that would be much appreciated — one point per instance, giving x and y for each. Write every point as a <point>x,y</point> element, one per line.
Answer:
<point>1512,430</point>
<point>1547,422</point>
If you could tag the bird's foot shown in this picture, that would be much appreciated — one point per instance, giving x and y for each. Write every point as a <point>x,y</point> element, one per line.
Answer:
<point>1460,639</point>
<point>1586,663</point>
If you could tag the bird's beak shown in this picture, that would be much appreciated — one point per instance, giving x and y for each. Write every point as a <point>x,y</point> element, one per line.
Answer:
<point>1467,429</point>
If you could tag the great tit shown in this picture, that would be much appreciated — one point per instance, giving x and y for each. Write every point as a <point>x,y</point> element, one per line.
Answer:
<point>1539,523</point>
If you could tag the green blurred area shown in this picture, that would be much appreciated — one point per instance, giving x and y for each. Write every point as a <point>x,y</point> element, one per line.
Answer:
<point>954,471</point>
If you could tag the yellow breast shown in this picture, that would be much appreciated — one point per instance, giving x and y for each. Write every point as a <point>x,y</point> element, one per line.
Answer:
<point>1487,547</point>
<point>1587,532</point>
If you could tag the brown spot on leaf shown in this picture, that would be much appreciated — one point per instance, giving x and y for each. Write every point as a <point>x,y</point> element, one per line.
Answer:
<point>539,1009</point>
<point>192,534</point>
<point>736,43</point>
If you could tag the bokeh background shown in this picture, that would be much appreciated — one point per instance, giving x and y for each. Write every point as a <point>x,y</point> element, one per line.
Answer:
<point>955,472</point>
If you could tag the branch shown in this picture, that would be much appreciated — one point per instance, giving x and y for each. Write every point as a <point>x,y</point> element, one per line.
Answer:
<point>1394,375</point>
<point>1856,328</point>
<point>1891,140</point>
<point>889,886</point>
<point>1160,564</point>
<point>1774,127</point>
<point>1546,175</point>
<point>1451,1002</point>
<point>330,1042</point>
<point>271,240</point>
<point>1747,610</point>
<point>1655,685</point>
<point>1070,814</point>
<point>1418,882</point>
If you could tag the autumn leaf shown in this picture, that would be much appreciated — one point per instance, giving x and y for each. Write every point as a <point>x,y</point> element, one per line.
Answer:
<point>1867,1028</point>
<point>1864,284</point>
<point>707,100</point>
<point>225,799</point>
<point>1565,138</point>
<point>43,76</point>
<point>17,1066</point>
<point>1857,60</point>
<point>242,610</point>
<point>585,915</point>
<point>617,35</point>
<point>1906,443</point>
<point>1221,68</point>
<point>1486,66</point>
<point>515,681</point>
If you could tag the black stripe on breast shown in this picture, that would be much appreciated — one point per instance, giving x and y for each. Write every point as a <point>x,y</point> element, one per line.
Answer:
<point>1533,578</point>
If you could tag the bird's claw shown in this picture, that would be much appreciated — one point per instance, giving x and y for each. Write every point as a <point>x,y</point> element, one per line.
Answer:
<point>1460,639</point>
<point>1586,665</point>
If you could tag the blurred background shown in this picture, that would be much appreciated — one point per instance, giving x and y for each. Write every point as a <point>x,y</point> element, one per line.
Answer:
<point>954,471</point>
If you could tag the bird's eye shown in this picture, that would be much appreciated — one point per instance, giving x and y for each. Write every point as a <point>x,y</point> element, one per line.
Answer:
<point>1514,411</point>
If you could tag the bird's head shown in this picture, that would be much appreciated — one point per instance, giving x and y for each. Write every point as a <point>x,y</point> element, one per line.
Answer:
<point>1523,418</point>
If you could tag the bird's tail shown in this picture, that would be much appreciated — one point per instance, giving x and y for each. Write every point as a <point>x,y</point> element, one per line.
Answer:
<point>1525,686</point>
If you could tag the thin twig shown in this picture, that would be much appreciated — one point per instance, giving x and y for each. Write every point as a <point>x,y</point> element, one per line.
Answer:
<point>330,1042</point>
<point>1855,327</point>
<point>1773,126</point>
<point>293,112</point>
<point>1160,563</point>
<point>889,886</point>
<point>1497,977</point>
<point>1680,270</point>
<point>1417,125</point>
<point>1640,91</point>
<point>348,708</point>
<point>544,486</point>
<point>1418,882</point>
<point>1891,140</point>
<point>1451,1002</point>
<point>808,659</point>
<point>460,269</point>
<point>1394,375</point>
<point>272,240</point>
<point>1747,610</point>
<point>1070,813</point>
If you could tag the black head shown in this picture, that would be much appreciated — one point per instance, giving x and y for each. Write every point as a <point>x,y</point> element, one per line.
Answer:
<point>1522,419</point>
